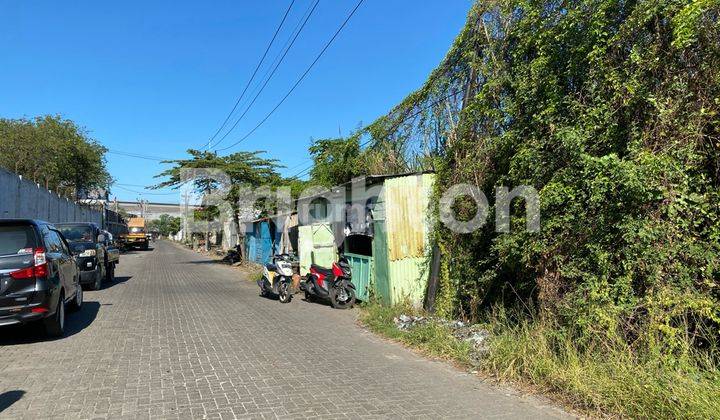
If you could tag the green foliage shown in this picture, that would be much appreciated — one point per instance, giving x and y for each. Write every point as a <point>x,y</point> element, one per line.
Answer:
<point>335,161</point>
<point>167,225</point>
<point>611,110</point>
<point>54,152</point>
<point>237,175</point>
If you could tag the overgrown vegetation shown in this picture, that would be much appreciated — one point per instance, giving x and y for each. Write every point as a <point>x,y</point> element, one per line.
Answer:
<point>433,339</point>
<point>54,152</point>
<point>610,380</point>
<point>611,110</point>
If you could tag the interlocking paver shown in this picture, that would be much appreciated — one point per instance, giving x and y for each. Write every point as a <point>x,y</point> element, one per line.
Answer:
<point>177,336</point>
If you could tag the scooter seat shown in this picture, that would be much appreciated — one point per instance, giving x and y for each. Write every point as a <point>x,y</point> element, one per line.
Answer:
<point>271,267</point>
<point>322,270</point>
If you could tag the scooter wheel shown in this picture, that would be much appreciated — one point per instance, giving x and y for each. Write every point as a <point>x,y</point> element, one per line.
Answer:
<point>309,297</point>
<point>284,294</point>
<point>347,303</point>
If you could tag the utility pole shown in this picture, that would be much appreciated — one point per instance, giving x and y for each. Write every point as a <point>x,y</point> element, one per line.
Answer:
<point>207,214</point>
<point>186,197</point>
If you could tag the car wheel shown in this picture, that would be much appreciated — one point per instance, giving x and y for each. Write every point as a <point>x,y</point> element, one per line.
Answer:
<point>76,304</point>
<point>55,325</point>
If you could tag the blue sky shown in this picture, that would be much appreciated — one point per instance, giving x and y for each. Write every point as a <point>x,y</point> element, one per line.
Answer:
<point>159,77</point>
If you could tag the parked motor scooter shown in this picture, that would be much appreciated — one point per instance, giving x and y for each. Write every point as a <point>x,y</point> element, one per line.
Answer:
<point>334,284</point>
<point>277,278</point>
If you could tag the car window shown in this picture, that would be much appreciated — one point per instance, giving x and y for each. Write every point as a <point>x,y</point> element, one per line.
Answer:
<point>77,233</point>
<point>17,240</point>
<point>53,241</point>
<point>63,245</point>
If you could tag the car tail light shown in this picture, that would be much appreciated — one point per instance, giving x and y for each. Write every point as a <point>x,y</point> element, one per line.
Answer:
<point>41,267</point>
<point>26,273</point>
<point>38,270</point>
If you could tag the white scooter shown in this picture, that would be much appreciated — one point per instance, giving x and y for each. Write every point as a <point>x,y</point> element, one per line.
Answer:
<point>277,278</point>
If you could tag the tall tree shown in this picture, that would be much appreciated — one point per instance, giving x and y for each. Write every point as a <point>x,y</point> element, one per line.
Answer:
<point>234,175</point>
<point>54,152</point>
<point>335,160</point>
<point>167,225</point>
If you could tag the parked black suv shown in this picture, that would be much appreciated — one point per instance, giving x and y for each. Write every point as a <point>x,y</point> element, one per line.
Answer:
<point>89,243</point>
<point>38,275</point>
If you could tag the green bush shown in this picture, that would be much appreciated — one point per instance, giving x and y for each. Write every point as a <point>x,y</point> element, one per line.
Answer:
<point>611,110</point>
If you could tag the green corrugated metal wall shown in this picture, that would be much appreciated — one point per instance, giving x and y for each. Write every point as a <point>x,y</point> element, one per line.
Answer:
<point>362,270</point>
<point>407,276</point>
<point>394,281</point>
<point>380,260</point>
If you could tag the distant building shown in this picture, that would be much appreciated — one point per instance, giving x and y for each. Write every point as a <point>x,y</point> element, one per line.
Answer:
<point>151,211</point>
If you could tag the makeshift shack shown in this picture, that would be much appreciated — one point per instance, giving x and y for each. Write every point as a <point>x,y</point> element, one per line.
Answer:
<point>386,244</point>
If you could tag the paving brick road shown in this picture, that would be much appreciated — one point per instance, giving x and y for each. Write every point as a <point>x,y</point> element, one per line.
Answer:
<point>177,336</point>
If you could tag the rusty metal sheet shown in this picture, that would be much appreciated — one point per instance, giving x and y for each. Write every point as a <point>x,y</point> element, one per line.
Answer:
<point>406,212</point>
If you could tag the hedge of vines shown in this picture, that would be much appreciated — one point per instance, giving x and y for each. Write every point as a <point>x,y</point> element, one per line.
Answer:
<point>610,109</point>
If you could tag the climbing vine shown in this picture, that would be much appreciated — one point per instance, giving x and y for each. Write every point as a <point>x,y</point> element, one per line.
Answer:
<point>610,109</point>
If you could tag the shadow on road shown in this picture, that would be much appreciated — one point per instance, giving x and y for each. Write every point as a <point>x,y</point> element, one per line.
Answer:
<point>9,398</point>
<point>118,281</point>
<point>135,251</point>
<point>34,333</point>
<point>317,301</point>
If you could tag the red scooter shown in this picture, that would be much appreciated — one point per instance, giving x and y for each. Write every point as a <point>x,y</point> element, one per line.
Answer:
<point>334,284</point>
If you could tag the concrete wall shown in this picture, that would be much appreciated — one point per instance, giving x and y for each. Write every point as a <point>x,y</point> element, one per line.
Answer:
<point>24,199</point>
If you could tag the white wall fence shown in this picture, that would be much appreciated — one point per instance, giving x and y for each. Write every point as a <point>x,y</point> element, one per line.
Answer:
<point>23,199</point>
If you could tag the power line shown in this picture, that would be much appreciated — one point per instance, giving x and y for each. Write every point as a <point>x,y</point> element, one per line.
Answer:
<point>297,83</point>
<point>262,59</point>
<point>287,42</point>
<point>141,192</point>
<point>136,155</point>
<point>132,185</point>
<point>397,124</point>
<point>294,38</point>
<point>156,158</point>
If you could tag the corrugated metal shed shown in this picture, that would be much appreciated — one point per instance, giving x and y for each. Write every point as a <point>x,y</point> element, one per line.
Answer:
<point>406,201</point>
<point>398,269</point>
<point>401,239</point>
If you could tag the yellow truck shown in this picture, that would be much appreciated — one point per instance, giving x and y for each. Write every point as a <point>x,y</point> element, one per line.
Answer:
<point>137,234</point>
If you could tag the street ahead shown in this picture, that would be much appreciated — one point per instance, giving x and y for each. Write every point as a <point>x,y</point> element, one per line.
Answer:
<point>178,336</point>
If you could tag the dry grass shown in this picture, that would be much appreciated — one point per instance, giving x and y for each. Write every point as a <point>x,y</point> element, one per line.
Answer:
<point>612,382</point>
